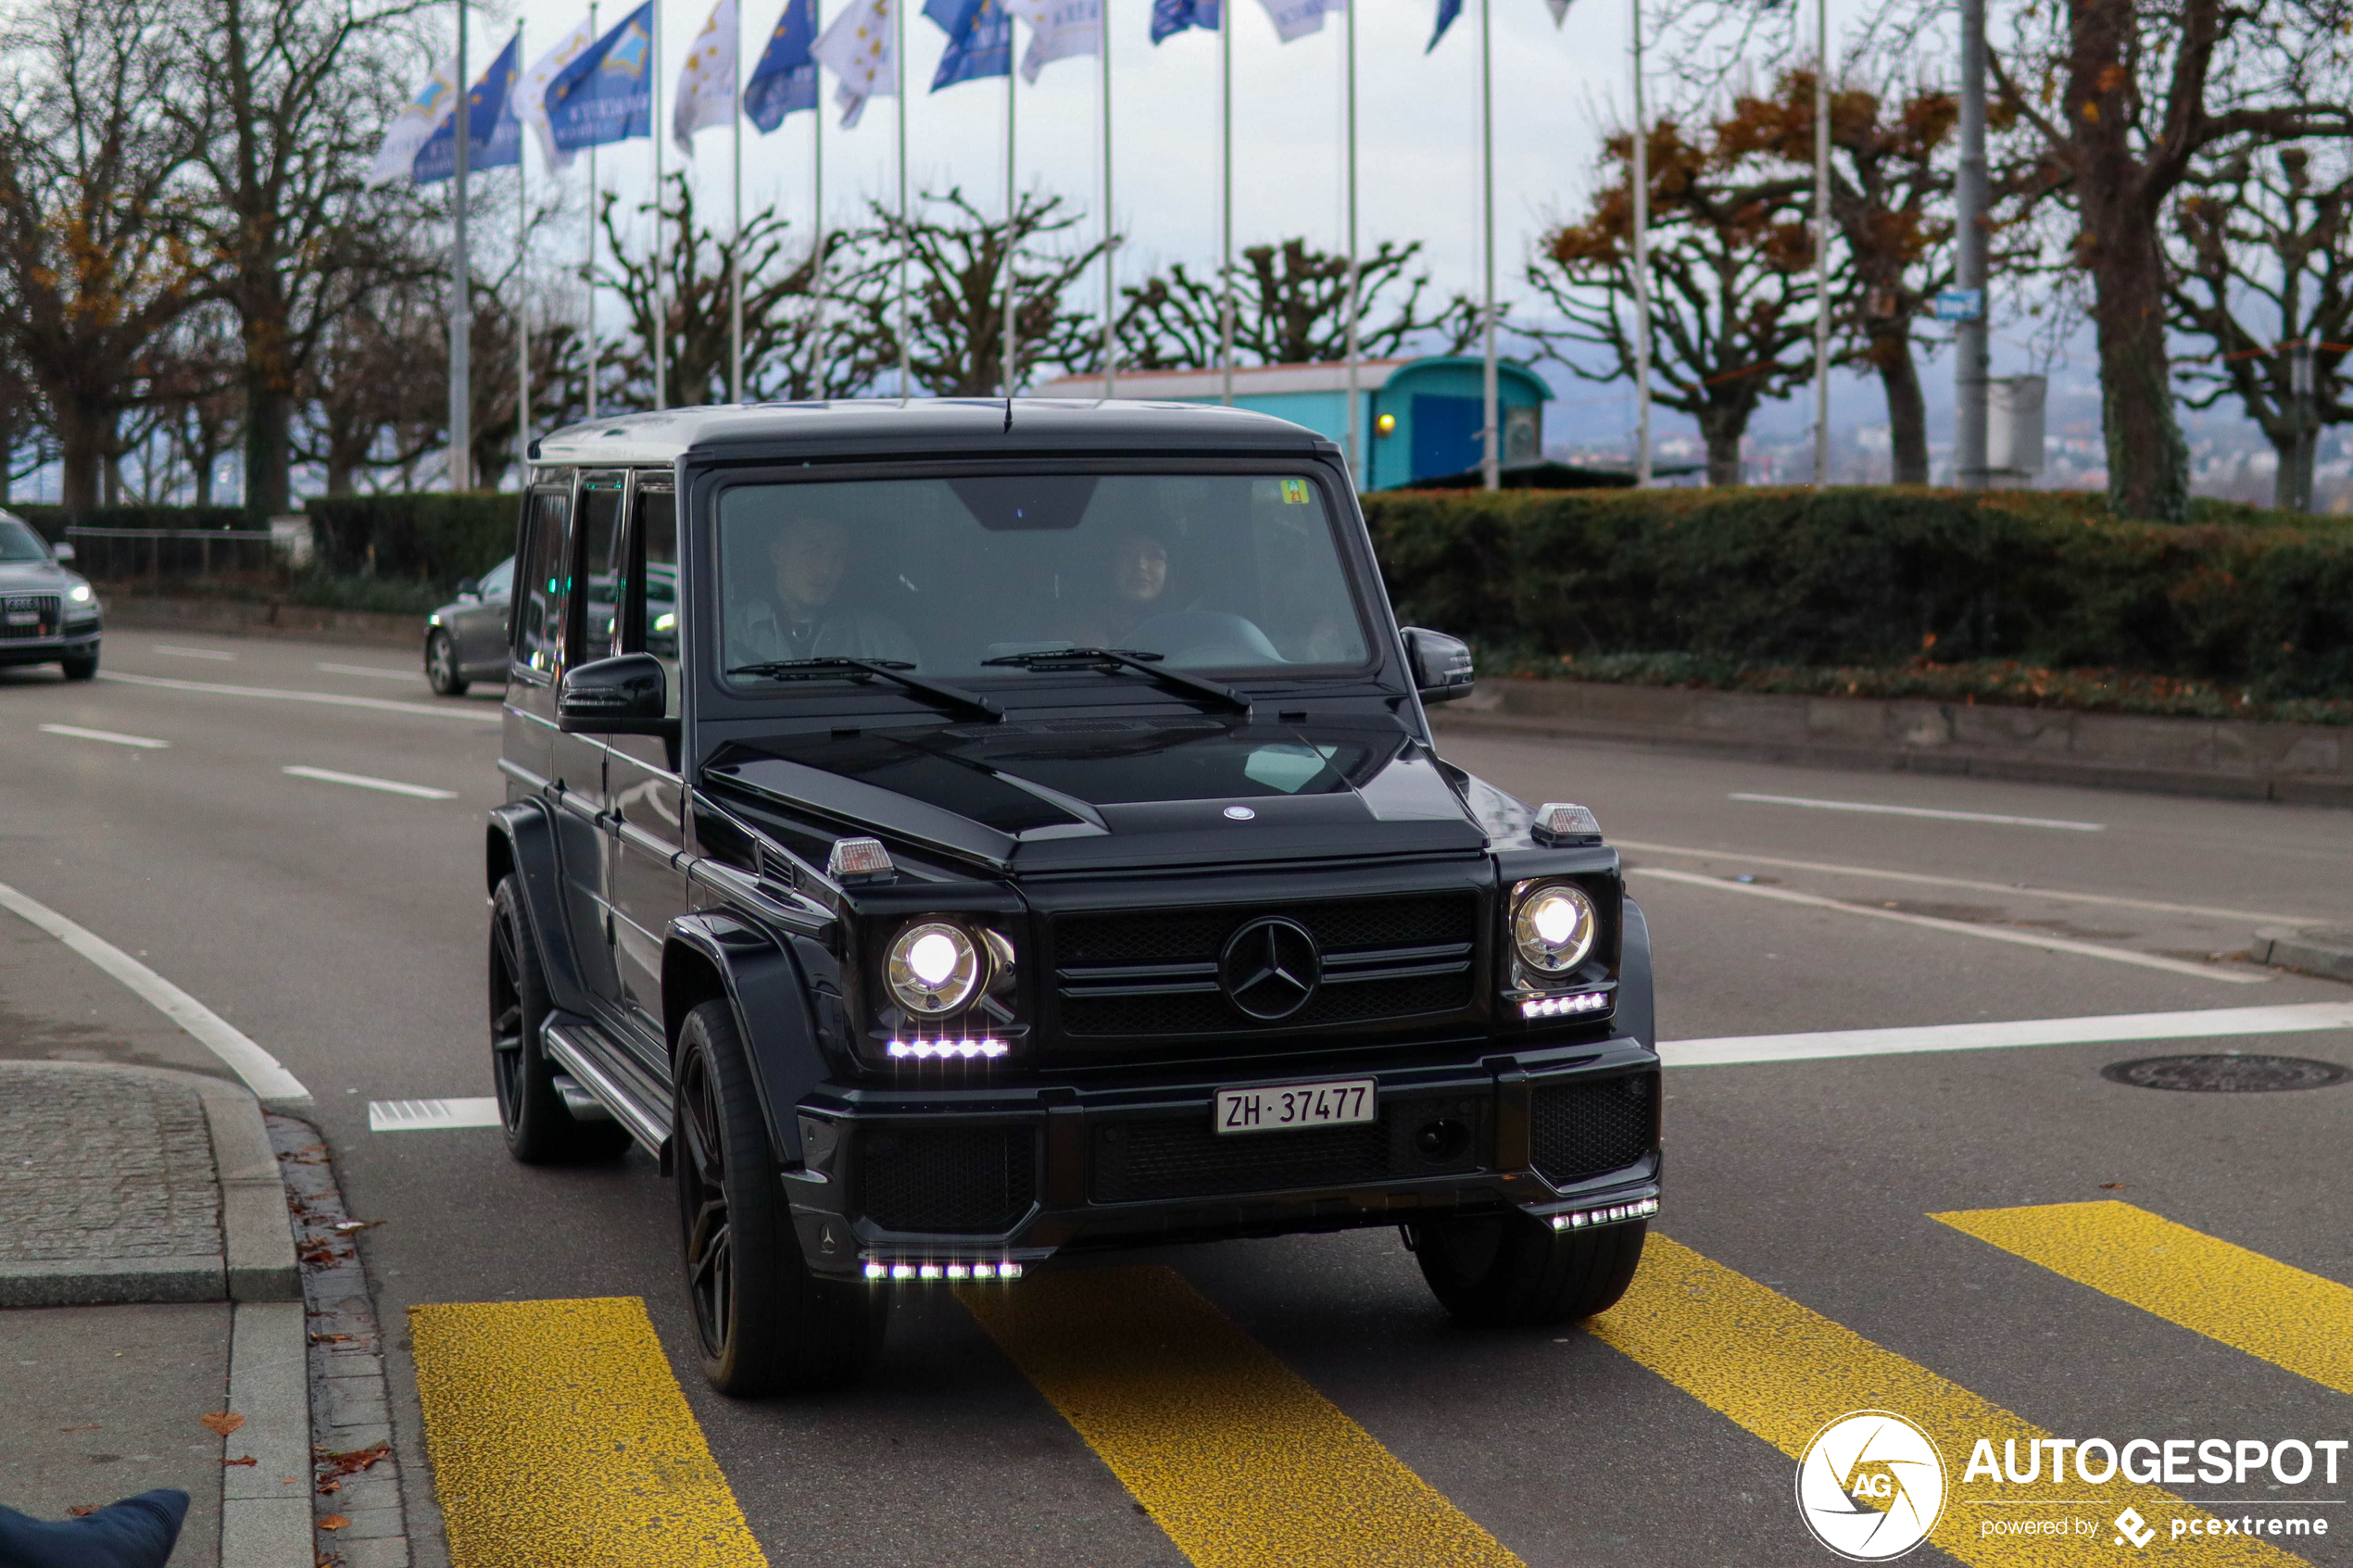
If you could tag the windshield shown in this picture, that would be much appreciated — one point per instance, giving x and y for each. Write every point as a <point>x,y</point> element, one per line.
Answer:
<point>18,542</point>
<point>1210,571</point>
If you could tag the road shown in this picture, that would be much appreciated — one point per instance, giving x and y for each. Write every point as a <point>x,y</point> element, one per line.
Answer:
<point>1307,1380</point>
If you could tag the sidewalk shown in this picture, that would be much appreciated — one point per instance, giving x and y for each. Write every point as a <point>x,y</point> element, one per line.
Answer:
<point>152,1328</point>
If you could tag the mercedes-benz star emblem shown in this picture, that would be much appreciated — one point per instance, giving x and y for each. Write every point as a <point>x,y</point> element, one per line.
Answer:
<point>1270,968</point>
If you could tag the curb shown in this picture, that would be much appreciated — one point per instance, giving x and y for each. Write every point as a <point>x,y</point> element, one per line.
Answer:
<point>2307,949</point>
<point>265,1506</point>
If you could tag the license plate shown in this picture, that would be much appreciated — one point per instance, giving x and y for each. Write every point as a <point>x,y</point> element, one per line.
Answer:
<point>1275,1107</point>
<point>24,618</point>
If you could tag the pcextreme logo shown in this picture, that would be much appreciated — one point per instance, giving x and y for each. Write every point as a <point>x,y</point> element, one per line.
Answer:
<point>1870,1485</point>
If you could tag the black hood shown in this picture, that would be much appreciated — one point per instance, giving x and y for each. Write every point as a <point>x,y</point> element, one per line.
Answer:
<point>1087,794</point>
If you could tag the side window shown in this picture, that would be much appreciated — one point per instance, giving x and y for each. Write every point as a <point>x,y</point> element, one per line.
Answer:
<point>601,564</point>
<point>649,618</point>
<point>542,591</point>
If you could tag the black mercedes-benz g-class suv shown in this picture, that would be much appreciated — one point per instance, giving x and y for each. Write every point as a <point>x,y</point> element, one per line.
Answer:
<point>949,835</point>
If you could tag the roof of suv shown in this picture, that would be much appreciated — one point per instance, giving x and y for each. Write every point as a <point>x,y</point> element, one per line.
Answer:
<point>929,427</point>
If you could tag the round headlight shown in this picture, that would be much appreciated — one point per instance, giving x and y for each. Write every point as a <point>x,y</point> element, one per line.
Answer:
<point>1554,929</point>
<point>934,968</point>
<point>79,593</point>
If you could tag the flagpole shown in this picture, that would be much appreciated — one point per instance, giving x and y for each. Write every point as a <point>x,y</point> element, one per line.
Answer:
<point>1111,266</point>
<point>1010,361</point>
<point>1354,449</point>
<point>1642,266</point>
<point>1490,460</point>
<point>819,385</point>
<point>595,349</point>
<point>461,297</point>
<point>1822,244</point>
<point>1225,201</point>
<point>522,289</point>
<point>906,236</point>
<point>662,229</point>
<point>736,270</point>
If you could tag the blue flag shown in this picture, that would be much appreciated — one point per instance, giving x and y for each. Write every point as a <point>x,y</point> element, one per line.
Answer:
<point>785,82</point>
<point>1447,11</point>
<point>980,40</point>
<point>493,133</point>
<point>607,94</point>
<point>1172,16</point>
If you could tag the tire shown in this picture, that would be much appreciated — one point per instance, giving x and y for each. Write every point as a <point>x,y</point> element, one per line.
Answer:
<point>1507,1270</point>
<point>442,670</point>
<point>765,1324</point>
<point>80,666</point>
<point>540,1130</point>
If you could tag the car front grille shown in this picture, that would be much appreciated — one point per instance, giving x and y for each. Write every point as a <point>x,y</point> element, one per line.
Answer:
<point>1583,1130</point>
<point>1155,973</point>
<point>28,615</point>
<point>954,1181</point>
<point>1140,1159</point>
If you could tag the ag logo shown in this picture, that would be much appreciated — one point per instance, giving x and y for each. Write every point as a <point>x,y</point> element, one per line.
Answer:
<point>1870,1485</point>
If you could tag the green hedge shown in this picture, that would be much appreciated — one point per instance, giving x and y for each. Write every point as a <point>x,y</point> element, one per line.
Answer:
<point>1879,577</point>
<point>50,521</point>
<point>428,538</point>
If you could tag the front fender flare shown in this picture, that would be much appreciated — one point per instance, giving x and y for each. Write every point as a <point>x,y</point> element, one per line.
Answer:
<point>520,836</point>
<point>764,987</point>
<point>1637,1012</point>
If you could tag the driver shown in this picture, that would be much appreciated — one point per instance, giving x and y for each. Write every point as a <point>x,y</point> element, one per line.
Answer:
<point>1136,577</point>
<point>801,621</point>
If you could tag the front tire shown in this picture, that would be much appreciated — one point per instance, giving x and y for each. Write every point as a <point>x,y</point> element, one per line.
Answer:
<point>540,1130</point>
<point>79,666</point>
<point>1508,1271</point>
<point>766,1324</point>
<point>442,671</point>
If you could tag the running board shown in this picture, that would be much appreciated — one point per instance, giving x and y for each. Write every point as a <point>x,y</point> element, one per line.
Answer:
<point>565,1040</point>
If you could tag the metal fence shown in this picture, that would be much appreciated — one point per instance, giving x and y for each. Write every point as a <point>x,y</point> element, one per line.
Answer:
<point>161,554</point>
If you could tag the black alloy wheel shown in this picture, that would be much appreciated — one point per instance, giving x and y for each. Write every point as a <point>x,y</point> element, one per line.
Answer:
<point>441,665</point>
<point>766,1324</point>
<point>79,666</point>
<point>1508,1271</point>
<point>540,1130</point>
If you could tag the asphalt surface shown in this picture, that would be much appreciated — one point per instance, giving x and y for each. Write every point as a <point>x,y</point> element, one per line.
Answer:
<point>343,927</point>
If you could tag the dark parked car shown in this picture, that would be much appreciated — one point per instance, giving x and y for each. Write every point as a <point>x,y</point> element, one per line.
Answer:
<point>466,639</point>
<point>949,835</point>
<point>47,614</point>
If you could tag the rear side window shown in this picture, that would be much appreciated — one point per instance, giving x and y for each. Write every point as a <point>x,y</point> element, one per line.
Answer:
<point>601,564</point>
<point>541,589</point>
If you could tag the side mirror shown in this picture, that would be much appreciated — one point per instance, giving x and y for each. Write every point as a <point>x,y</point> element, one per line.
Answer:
<point>622,696</point>
<point>61,552</point>
<point>1441,664</point>
<point>469,591</point>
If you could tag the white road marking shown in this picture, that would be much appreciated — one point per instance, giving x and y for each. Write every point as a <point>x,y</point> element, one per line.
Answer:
<point>2203,1023</point>
<point>430,1115</point>
<point>361,780</point>
<point>378,670</point>
<point>191,653</point>
<point>1963,928</point>
<point>79,734</point>
<point>1920,811</point>
<point>262,1073</point>
<point>2258,917</point>
<point>336,699</point>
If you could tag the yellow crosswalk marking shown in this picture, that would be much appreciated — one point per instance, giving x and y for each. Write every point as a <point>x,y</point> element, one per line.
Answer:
<point>1784,1372</point>
<point>2248,1301</point>
<point>1234,1455</point>
<point>559,1437</point>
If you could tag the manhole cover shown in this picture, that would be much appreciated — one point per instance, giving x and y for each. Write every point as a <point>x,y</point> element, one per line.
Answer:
<point>2225,1075</point>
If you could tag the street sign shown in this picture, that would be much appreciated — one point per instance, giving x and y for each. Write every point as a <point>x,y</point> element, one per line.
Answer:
<point>1960,304</point>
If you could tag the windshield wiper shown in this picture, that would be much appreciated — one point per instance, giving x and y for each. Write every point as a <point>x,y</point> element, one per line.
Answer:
<point>884,668</point>
<point>1129,659</point>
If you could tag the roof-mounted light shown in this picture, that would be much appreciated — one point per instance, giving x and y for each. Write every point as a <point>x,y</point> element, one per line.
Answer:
<point>1558,821</point>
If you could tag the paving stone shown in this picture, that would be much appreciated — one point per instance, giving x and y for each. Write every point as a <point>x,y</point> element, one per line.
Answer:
<point>103,1166</point>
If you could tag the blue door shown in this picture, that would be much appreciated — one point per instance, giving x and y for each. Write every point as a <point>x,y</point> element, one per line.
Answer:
<point>1445,434</point>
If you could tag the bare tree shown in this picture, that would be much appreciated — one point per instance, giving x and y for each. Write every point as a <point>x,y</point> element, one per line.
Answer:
<point>374,392</point>
<point>92,265</point>
<point>1290,308</point>
<point>1731,286</point>
<point>199,404</point>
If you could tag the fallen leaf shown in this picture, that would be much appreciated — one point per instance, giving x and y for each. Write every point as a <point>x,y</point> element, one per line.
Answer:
<point>93,1426</point>
<point>326,1487</point>
<point>223,1422</point>
<point>84,1510</point>
<point>348,1226</point>
<point>333,1521</point>
<point>351,1462</point>
<point>332,1338</point>
<point>2111,1186</point>
<point>247,1460</point>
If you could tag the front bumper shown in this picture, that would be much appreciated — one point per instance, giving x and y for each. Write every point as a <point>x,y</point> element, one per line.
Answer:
<point>74,642</point>
<point>929,1184</point>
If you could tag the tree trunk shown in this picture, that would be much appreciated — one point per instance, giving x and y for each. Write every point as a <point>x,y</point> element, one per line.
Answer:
<point>268,430</point>
<point>82,453</point>
<point>1722,430</point>
<point>2148,463</point>
<point>1906,410</point>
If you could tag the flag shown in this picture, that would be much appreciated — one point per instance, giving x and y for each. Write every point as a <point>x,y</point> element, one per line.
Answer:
<point>1448,10</point>
<point>785,82</point>
<point>606,96</point>
<point>493,133</point>
<point>415,122</point>
<point>706,94</point>
<point>857,48</point>
<point>532,94</point>
<point>1296,18</point>
<point>1172,16</point>
<point>1058,29</point>
<point>980,40</point>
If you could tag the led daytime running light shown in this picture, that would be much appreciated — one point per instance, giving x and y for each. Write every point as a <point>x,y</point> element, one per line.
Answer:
<point>1557,1007</point>
<point>924,1050</point>
<point>1615,1214</point>
<point>879,1269</point>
